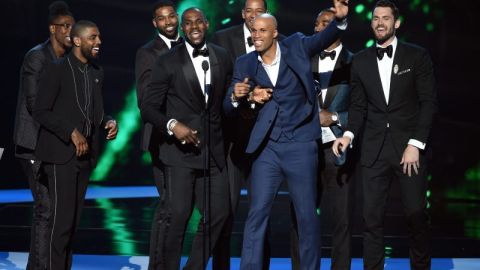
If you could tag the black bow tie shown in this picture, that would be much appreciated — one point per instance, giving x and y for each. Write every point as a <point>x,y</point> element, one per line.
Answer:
<point>324,54</point>
<point>177,42</point>
<point>381,52</point>
<point>197,52</point>
<point>250,41</point>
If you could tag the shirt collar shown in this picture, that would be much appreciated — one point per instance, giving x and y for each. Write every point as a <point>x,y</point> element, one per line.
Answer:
<point>246,33</point>
<point>190,48</point>
<point>167,40</point>
<point>278,54</point>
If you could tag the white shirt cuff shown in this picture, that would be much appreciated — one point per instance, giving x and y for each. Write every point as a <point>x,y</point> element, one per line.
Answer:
<point>342,25</point>
<point>417,144</point>
<point>350,135</point>
<point>235,104</point>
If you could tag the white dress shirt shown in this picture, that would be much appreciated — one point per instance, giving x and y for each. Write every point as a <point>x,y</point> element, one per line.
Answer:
<point>167,40</point>
<point>273,68</point>
<point>325,69</point>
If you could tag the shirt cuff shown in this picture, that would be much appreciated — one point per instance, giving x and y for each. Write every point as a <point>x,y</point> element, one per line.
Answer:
<point>420,145</point>
<point>170,124</point>
<point>350,135</point>
<point>342,25</point>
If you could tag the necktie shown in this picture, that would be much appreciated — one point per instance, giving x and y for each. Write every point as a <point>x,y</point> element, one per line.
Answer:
<point>250,41</point>
<point>324,54</point>
<point>381,52</point>
<point>177,42</point>
<point>197,52</point>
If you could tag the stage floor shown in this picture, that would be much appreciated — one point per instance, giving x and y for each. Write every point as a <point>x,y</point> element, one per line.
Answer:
<point>116,221</point>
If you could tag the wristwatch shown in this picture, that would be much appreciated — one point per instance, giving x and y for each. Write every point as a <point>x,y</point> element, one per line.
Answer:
<point>334,117</point>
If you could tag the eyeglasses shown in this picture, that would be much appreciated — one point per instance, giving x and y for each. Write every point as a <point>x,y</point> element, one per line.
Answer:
<point>66,25</point>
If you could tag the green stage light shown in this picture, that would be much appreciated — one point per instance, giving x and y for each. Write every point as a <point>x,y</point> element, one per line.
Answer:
<point>128,122</point>
<point>369,43</point>
<point>359,8</point>
<point>225,21</point>
<point>430,27</point>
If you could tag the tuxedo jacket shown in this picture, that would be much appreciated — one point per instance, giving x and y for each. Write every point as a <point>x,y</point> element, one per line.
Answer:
<point>338,92</point>
<point>26,128</point>
<point>232,39</point>
<point>175,93</point>
<point>56,109</point>
<point>144,62</point>
<point>296,52</point>
<point>412,101</point>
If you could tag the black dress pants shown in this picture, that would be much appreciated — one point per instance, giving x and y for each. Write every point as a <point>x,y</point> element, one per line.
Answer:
<point>184,189</point>
<point>376,184</point>
<point>67,187</point>
<point>39,233</point>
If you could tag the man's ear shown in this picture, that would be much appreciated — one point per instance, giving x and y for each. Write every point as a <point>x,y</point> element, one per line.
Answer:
<point>154,23</point>
<point>51,28</point>
<point>397,23</point>
<point>275,33</point>
<point>77,41</point>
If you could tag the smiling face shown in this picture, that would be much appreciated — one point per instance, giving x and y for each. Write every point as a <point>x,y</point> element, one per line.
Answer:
<point>88,42</point>
<point>252,9</point>
<point>194,26</point>
<point>166,21</point>
<point>264,33</point>
<point>384,24</point>
<point>60,30</point>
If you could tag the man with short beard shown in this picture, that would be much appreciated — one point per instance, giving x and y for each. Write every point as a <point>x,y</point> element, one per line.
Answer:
<point>184,102</point>
<point>69,109</point>
<point>394,99</point>
<point>60,22</point>
<point>165,20</point>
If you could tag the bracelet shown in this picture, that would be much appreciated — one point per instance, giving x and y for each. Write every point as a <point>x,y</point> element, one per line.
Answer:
<point>172,124</point>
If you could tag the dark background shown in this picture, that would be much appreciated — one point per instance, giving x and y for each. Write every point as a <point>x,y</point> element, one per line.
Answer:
<point>126,25</point>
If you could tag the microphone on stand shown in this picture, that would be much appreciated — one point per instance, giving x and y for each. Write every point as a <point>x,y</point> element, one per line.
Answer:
<point>206,165</point>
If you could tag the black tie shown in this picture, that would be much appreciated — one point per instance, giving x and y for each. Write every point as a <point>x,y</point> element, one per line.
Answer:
<point>197,52</point>
<point>381,52</point>
<point>324,54</point>
<point>250,41</point>
<point>177,42</point>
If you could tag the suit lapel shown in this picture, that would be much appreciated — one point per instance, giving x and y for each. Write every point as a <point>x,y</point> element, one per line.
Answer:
<point>260,75</point>
<point>336,78</point>
<point>372,62</point>
<point>398,61</point>
<point>159,45</point>
<point>190,75</point>
<point>214,74</point>
<point>299,68</point>
<point>238,42</point>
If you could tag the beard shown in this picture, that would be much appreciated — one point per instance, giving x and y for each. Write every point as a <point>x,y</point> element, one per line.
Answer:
<point>387,36</point>
<point>87,53</point>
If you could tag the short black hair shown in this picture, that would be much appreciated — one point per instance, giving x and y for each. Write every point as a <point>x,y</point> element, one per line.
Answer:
<point>79,26</point>
<point>194,8</point>
<point>57,9</point>
<point>264,3</point>
<point>161,3</point>
<point>391,5</point>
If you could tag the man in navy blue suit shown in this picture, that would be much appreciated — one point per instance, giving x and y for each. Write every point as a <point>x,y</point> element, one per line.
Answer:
<point>283,140</point>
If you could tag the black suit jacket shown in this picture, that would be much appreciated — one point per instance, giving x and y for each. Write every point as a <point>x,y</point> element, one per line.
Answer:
<point>412,101</point>
<point>144,62</point>
<point>175,93</point>
<point>57,111</point>
<point>26,129</point>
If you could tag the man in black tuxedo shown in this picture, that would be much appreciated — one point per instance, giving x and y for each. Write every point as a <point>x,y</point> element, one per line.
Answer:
<point>394,98</point>
<point>60,23</point>
<point>331,70</point>
<point>184,102</point>
<point>69,109</point>
<point>165,20</point>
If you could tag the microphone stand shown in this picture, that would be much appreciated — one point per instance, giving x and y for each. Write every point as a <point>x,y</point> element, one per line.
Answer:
<point>206,169</point>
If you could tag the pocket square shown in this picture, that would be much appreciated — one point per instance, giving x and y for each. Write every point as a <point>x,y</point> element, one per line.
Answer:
<point>96,80</point>
<point>403,71</point>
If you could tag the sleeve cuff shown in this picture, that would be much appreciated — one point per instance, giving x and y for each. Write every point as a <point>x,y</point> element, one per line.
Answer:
<point>342,25</point>
<point>417,144</point>
<point>350,135</point>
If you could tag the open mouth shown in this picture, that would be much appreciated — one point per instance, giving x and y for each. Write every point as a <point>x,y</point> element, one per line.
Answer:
<point>196,34</point>
<point>95,50</point>
<point>170,29</point>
